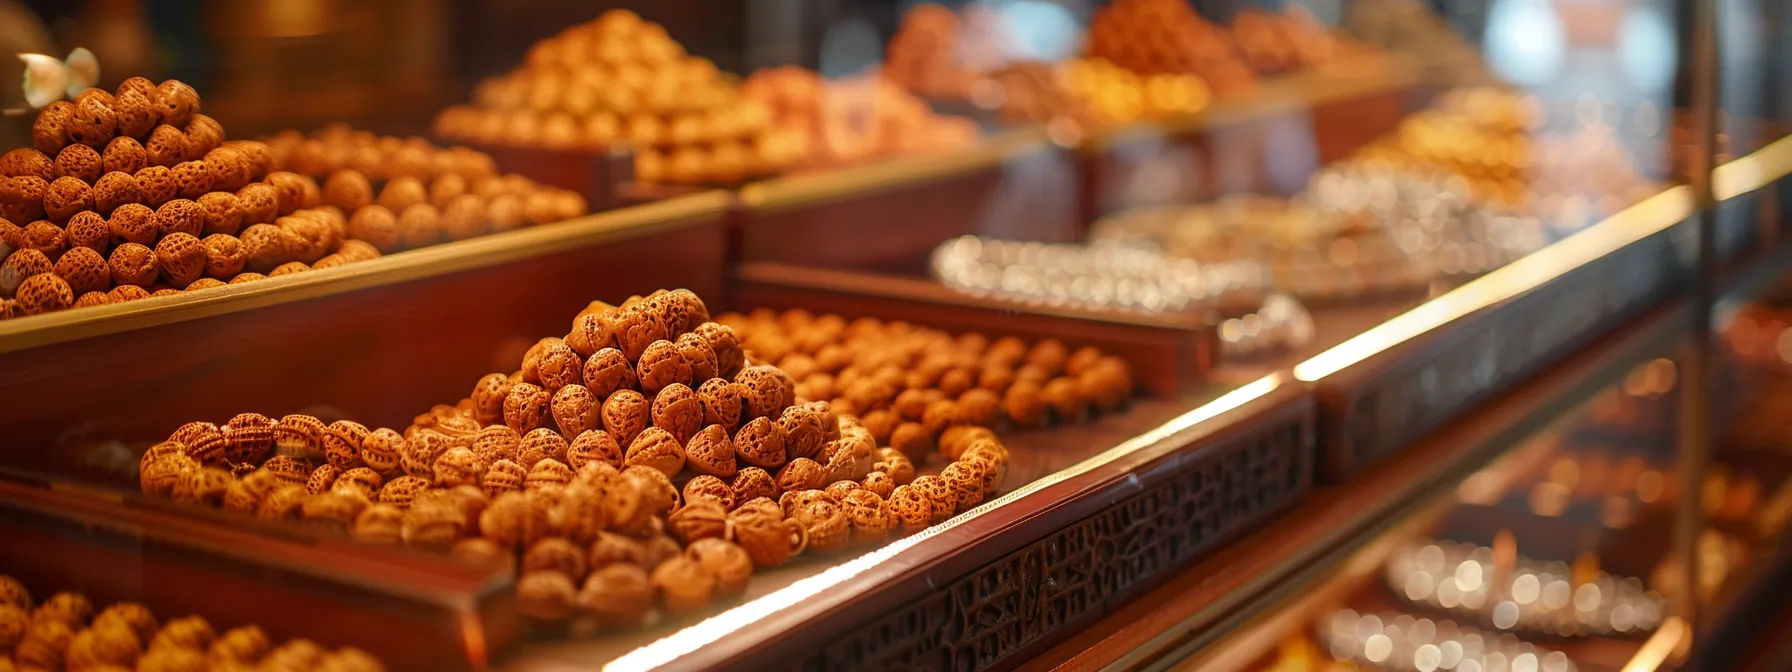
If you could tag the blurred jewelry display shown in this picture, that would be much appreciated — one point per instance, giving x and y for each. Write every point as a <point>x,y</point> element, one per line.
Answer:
<point>1402,642</point>
<point>1356,230</point>
<point>1546,597</point>
<point>1124,275</point>
<point>1128,276</point>
<point>1280,322</point>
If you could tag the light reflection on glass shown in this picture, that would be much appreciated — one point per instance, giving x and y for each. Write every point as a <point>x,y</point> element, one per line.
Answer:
<point>1547,597</point>
<point>1401,642</point>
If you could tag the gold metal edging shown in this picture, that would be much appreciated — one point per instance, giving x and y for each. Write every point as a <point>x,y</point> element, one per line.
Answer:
<point>1661,211</point>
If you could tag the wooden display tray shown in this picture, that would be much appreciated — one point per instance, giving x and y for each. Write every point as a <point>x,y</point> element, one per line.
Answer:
<point>381,340</point>
<point>1106,511</point>
<point>1100,513</point>
<point>1298,123</point>
<point>1168,352</point>
<point>890,215</point>
<point>1187,471</point>
<point>598,175</point>
<point>415,611</point>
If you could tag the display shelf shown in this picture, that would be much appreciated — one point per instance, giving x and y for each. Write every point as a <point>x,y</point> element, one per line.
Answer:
<point>1402,378</point>
<point>1167,351</point>
<point>412,610</point>
<point>378,340</point>
<point>1748,604</point>
<point>596,175</point>
<point>889,215</point>
<point>1751,195</point>
<point>1002,581</point>
<point>1093,516</point>
<point>1216,614</point>
<point>1227,148</point>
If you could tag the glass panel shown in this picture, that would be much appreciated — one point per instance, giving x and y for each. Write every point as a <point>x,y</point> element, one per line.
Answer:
<point>400,272</point>
<point>1557,555</point>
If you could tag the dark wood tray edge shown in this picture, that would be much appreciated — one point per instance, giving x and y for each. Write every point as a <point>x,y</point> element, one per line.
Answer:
<point>483,252</point>
<point>469,606</point>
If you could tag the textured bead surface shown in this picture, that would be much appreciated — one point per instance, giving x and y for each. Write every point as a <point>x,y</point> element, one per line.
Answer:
<point>548,472</point>
<point>546,595</point>
<point>488,397</point>
<point>661,365</point>
<point>181,257</point>
<point>625,415</point>
<point>608,371</point>
<point>526,407</point>
<point>617,595</point>
<point>513,520</point>
<point>752,483</point>
<point>541,444</point>
<point>684,585</point>
<point>457,466</point>
<point>249,437</point>
<point>401,491</point>
<point>767,539</point>
<point>593,445</point>
<point>760,443</point>
<point>657,449</point>
<point>575,409</point>
<point>382,450</point>
<point>706,488</point>
<point>503,476</point>
<point>678,410</point>
<point>497,442</point>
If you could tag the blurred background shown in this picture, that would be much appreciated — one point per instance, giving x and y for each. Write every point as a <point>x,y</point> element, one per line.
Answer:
<point>388,66</point>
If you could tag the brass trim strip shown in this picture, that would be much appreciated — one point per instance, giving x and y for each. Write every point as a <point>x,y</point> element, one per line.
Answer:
<point>1659,646</point>
<point>1651,215</point>
<point>485,251</point>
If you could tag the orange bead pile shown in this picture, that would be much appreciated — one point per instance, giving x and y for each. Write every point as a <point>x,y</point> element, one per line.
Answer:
<point>1492,139</point>
<point>405,193</point>
<point>135,193</point>
<point>1167,37</point>
<point>939,54</point>
<point>619,79</point>
<point>854,120</point>
<point>642,462</point>
<point>64,633</point>
<point>1289,40</point>
<point>1143,59</point>
<point>910,385</point>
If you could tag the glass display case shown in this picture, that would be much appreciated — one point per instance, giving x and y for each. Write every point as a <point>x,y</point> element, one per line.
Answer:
<point>1002,334</point>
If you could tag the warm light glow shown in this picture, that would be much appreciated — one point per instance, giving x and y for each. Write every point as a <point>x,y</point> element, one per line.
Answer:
<point>1735,178</point>
<point>1772,518</point>
<point>1757,170</point>
<point>1655,651</point>
<point>686,641</point>
<point>1628,226</point>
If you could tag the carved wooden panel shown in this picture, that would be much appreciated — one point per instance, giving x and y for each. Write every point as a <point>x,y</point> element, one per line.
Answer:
<point>988,618</point>
<point>1399,399</point>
